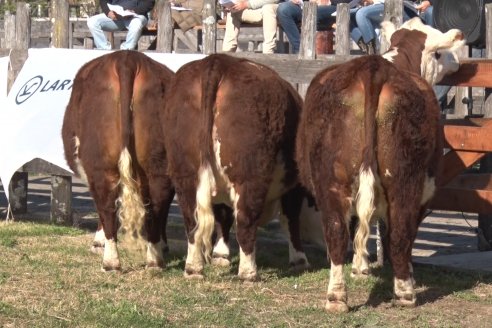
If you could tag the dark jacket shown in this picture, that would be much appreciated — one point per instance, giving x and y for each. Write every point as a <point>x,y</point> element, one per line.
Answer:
<point>141,7</point>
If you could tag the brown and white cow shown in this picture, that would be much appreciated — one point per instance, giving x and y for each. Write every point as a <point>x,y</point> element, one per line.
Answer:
<point>368,146</point>
<point>113,140</point>
<point>230,138</point>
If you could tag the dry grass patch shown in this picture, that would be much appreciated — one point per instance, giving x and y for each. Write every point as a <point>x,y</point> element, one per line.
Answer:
<point>48,278</point>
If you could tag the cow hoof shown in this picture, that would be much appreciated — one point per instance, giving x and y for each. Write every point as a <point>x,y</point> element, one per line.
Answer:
<point>336,307</point>
<point>109,268</point>
<point>155,265</point>
<point>299,266</point>
<point>221,261</point>
<point>193,275</point>
<point>97,249</point>
<point>248,276</point>
<point>406,301</point>
<point>362,275</point>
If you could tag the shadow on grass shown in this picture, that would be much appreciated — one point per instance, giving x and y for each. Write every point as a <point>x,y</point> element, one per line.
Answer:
<point>437,282</point>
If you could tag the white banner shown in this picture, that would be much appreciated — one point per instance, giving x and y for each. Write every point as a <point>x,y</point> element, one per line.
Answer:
<point>31,121</point>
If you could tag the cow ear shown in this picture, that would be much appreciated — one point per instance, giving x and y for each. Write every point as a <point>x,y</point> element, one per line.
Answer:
<point>387,30</point>
<point>452,40</point>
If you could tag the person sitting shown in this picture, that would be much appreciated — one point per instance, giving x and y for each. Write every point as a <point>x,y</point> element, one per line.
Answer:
<point>289,15</point>
<point>425,8</point>
<point>367,18</point>
<point>132,17</point>
<point>251,11</point>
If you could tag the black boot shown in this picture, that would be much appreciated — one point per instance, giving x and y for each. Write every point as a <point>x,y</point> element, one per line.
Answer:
<point>371,47</point>
<point>362,45</point>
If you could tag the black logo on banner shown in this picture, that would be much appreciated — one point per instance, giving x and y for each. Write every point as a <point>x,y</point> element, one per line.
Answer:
<point>37,84</point>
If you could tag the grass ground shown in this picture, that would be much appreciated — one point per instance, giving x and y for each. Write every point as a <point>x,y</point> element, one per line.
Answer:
<point>48,278</point>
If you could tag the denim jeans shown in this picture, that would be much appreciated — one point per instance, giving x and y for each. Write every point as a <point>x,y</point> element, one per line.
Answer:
<point>99,23</point>
<point>289,16</point>
<point>367,19</point>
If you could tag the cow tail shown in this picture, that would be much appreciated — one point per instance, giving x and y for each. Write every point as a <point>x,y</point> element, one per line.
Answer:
<point>204,216</point>
<point>131,210</point>
<point>365,199</point>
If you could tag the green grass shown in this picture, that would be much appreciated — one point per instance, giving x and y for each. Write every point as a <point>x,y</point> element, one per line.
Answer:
<point>48,278</point>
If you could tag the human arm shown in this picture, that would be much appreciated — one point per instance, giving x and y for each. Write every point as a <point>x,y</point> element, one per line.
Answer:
<point>424,5</point>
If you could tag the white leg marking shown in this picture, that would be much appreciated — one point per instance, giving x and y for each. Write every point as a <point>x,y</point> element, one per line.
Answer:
<point>220,253</point>
<point>297,259</point>
<point>337,292</point>
<point>155,256</point>
<point>111,260</point>
<point>404,292</point>
<point>194,262</point>
<point>99,238</point>
<point>247,265</point>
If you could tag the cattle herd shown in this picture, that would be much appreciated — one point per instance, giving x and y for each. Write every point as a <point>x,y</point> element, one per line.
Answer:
<point>237,144</point>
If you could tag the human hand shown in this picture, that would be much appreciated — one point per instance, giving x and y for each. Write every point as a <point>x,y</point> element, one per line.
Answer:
<point>423,6</point>
<point>112,15</point>
<point>366,2</point>
<point>241,5</point>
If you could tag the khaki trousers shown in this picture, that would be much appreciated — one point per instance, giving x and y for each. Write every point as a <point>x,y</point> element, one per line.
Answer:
<point>266,14</point>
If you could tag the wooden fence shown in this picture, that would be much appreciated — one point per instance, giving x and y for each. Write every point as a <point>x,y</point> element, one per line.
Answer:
<point>467,139</point>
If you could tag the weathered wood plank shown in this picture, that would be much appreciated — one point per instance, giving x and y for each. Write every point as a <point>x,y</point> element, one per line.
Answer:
<point>60,18</point>
<point>462,200</point>
<point>165,31</point>
<point>468,138</point>
<point>472,73</point>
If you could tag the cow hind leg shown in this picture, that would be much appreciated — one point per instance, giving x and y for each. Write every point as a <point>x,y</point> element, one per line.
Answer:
<point>402,232</point>
<point>105,193</point>
<point>335,224</point>
<point>99,240</point>
<point>224,220</point>
<point>251,197</point>
<point>186,191</point>
<point>161,197</point>
<point>290,221</point>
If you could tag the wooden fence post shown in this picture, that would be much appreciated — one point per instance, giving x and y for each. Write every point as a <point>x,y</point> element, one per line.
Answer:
<point>393,12</point>
<point>22,26</point>
<point>324,39</point>
<point>59,19</point>
<point>165,27</point>
<point>209,27</point>
<point>307,49</point>
<point>343,34</point>
<point>17,38</point>
<point>484,220</point>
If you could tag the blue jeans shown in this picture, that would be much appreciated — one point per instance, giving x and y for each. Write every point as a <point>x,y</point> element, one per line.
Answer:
<point>367,19</point>
<point>99,23</point>
<point>289,16</point>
